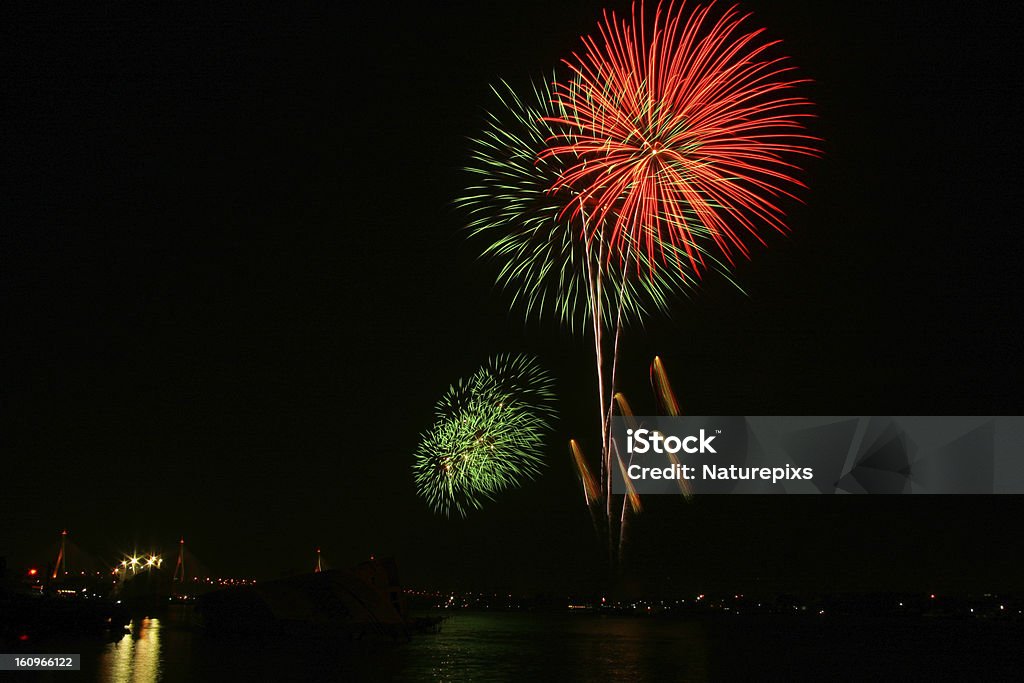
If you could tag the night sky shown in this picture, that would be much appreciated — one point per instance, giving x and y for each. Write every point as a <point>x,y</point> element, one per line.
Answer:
<point>234,285</point>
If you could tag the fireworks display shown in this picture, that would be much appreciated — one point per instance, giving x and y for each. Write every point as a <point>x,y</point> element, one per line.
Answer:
<point>488,435</point>
<point>667,149</point>
<point>679,136</point>
<point>535,244</point>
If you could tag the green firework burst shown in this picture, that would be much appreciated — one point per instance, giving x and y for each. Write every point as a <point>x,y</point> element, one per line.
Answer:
<point>544,257</point>
<point>488,435</point>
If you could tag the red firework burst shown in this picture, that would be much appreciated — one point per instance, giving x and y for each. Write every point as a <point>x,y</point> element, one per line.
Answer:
<point>679,137</point>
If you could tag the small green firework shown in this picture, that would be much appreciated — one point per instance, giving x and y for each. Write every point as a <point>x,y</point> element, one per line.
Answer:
<point>488,435</point>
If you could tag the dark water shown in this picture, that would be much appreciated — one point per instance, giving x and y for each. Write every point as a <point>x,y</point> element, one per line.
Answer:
<point>541,647</point>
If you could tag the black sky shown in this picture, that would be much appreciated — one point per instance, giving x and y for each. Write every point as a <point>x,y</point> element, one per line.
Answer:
<point>234,285</point>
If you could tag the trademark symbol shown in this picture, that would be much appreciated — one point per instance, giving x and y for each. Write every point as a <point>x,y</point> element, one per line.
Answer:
<point>718,431</point>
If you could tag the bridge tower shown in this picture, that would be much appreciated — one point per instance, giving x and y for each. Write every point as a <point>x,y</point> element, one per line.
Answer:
<point>319,566</point>
<point>179,567</point>
<point>61,564</point>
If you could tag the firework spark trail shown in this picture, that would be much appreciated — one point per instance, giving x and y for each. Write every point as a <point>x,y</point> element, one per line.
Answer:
<point>591,492</point>
<point>488,435</point>
<point>662,389</point>
<point>631,495</point>
<point>684,484</point>
<point>678,138</point>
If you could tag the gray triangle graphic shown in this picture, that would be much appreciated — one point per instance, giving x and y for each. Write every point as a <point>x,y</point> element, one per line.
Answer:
<point>822,448</point>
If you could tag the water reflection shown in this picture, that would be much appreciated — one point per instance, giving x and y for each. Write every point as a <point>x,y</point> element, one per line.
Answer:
<point>542,647</point>
<point>638,648</point>
<point>470,646</point>
<point>551,646</point>
<point>135,658</point>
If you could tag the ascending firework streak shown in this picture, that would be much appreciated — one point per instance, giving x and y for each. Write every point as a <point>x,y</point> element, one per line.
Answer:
<point>668,405</point>
<point>488,435</point>
<point>666,149</point>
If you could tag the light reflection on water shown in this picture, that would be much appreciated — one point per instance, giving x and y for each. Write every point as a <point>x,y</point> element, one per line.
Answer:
<point>135,658</point>
<point>551,646</point>
<point>471,646</point>
<point>528,646</point>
